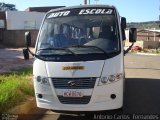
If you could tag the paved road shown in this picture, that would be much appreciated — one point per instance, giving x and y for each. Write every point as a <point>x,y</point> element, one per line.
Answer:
<point>142,66</point>
<point>142,95</point>
<point>12,59</point>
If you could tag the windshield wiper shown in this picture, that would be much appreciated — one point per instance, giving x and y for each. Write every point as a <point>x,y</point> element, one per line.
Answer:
<point>66,49</point>
<point>87,46</point>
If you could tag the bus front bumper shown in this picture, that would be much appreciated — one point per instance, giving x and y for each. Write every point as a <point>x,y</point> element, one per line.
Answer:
<point>102,98</point>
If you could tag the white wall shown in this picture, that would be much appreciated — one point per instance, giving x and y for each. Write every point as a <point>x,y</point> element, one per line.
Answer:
<point>22,20</point>
<point>127,34</point>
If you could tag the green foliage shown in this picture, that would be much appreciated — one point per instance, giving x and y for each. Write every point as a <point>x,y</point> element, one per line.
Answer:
<point>14,87</point>
<point>152,51</point>
<point>7,7</point>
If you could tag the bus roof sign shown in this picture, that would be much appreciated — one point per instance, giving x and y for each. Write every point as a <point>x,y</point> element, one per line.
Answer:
<point>78,12</point>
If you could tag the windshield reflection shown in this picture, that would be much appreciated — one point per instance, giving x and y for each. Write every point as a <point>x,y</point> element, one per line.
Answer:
<point>67,32</point>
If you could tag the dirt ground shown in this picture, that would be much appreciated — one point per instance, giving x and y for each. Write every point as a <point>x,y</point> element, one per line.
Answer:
<point>12,58</point>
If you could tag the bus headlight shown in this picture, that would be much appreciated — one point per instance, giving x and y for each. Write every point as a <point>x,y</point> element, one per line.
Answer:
<point>43,80</point>
<point>110,79</point>
<point>104,80</point>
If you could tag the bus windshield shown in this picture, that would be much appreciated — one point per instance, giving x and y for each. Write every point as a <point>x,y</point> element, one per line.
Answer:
<point>78,33</point>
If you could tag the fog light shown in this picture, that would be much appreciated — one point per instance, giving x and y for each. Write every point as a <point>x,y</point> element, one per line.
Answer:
<point>113,96</point>
<point>40,95</point>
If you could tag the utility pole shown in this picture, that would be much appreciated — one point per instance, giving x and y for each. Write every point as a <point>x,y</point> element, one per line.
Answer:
<point>159,25</point>
<point>85,2</point>
<point>154,34</point>
<point>159,10</point>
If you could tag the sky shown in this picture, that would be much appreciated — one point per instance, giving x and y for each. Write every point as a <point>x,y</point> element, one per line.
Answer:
<point>133,10</point>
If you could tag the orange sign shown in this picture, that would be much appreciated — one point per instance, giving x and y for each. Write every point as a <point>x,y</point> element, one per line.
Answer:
<point>73,68</point>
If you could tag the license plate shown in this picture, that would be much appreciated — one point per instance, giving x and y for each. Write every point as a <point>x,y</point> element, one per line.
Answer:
<point>72,94</point>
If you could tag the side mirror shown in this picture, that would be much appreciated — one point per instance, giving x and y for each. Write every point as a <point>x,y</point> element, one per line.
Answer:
<point>123,27</point>
<point>26,54</point>
<point>123,23</point>
<point>132,35</point>
<point>28,39</point>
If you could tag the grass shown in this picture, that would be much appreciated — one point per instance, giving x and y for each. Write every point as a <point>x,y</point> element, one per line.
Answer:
<point>14,87</point>
<point>154,51</point>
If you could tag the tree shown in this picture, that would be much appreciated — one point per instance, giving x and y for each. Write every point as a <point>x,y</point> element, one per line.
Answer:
<point>7,7</point>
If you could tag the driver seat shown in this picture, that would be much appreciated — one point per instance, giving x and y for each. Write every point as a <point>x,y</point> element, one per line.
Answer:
<point>106,32</point>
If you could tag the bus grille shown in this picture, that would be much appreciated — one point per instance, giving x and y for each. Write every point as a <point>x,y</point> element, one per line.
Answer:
<point>74,100</point>
<point>73,83</point>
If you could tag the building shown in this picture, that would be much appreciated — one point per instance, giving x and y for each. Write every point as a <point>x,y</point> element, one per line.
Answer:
<point>148,35</point>
<point>147,38</point>
<point>14,24</point>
